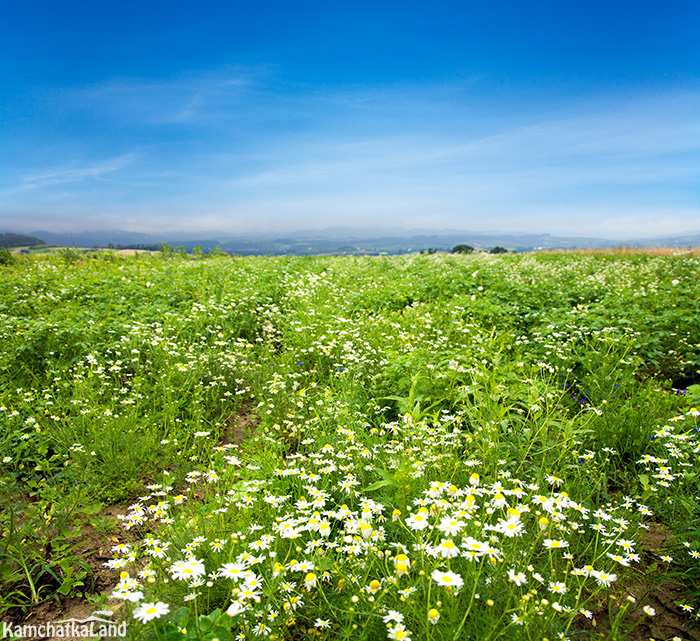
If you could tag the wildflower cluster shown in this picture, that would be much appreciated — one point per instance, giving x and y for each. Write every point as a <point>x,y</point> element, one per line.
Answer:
<point>405,448</point>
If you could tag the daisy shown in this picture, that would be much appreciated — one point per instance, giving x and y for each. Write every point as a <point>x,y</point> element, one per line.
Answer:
<point>399,632</point>
<point>553,479</point>
<point>394,616</point>
<point>417,521</point>
<point>148,611</point>
<point>303,566</point>
<point>134,597</point>
<point>447,579</point>
<point>158,551</point>
<point>310,581</point>
<point>626,545</point>
<point>193,568</point>
<point>402,564</point>
<point>234,571</point>
<point>620,559</point>
<point>447,549</point>
<point>510,528</point>
<point>115,564</point>
<point>249,593</point>
<point>557,587</point>
<point>252,581</point>
<point>478,548</point>
<point>604,578</point>
<point>261,629</point>
<point>499,501</point>
<point>288,531</point>
<point>519,578</point>
<point>450,526</point>
<point>373,586</point>
<point>217,545</point>
<point>554,543</point>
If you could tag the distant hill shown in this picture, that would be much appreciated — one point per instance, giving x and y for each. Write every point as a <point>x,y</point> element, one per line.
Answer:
<point>346,240</point>
<point>19,240</point>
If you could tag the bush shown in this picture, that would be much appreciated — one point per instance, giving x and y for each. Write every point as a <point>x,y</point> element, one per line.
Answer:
<point>6,257</point>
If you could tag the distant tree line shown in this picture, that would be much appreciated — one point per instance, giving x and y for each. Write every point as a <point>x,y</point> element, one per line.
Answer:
<point>153,247</point>
<point>468,249</point>
<point>197,251</point>
<point>19,240</point>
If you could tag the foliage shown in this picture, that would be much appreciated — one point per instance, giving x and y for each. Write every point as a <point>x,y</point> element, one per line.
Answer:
<point>329,444</point>
<point>6,257</point>
<point>18,240</point>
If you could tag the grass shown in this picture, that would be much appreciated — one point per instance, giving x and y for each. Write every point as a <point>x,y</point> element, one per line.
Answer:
<point>436,447</point>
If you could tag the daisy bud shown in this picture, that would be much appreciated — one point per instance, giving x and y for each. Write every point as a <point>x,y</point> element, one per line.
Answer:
<point>310,581</point>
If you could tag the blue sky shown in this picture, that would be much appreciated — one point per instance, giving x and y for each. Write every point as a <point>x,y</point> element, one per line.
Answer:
<point>572,118</point>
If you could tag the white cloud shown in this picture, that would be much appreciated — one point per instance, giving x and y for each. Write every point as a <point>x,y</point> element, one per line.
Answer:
<point>73,174</point>
<point>246,151</point>
<point>189,98</point>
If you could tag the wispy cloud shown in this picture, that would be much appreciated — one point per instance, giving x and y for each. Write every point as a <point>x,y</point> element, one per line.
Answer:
<point>605,149</point>
<point>241,148</point>
<point>74,174</point>
<point>187,98</point>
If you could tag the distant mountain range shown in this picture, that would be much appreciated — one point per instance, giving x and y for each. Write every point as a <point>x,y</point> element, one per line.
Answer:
<point>347,240</point>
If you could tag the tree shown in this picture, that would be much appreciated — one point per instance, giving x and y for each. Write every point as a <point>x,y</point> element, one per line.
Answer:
<point>462,249</point>
<point>498,250</point>
<point>18,240</point>
<point>217,251</point>
<point>6,257</point>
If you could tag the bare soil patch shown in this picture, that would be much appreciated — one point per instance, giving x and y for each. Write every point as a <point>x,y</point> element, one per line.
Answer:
<point>241,426</point>
<point>650,589</point>
<point>95,549</point>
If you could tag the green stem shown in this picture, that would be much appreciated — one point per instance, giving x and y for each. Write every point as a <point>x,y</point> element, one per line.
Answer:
<point>471,602</point>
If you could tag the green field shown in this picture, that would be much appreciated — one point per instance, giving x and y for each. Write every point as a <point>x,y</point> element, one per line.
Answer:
<point>416,447</point>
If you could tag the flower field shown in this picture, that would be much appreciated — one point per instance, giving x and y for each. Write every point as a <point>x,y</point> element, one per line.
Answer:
<point>413,447</point>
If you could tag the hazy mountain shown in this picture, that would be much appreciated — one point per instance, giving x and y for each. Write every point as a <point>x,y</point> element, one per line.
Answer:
<point>348,240</point>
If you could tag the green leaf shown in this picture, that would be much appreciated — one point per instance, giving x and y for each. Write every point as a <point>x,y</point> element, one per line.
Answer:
<point>181,617</point>
<point>377,485</point>
<point>68,586</point>
<point>387,479</point>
